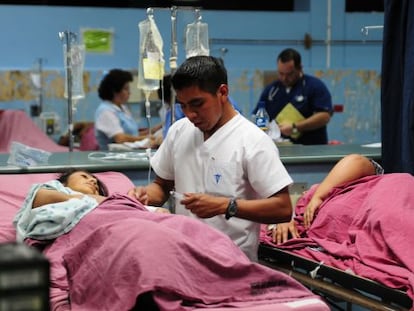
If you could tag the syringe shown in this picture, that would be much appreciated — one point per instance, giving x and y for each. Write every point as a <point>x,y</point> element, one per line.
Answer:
<point>177,195</point>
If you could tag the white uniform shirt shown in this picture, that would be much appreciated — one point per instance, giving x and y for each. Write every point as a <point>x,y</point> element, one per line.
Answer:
<point>109,123</point>
<point>238,160</point>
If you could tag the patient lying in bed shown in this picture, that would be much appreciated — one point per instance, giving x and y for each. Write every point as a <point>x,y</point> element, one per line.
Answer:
<point>357,220</point>
<point>106,252</point>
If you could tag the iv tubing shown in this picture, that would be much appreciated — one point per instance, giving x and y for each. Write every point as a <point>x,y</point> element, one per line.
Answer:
<point>148,116</point>
<point>148,111</point>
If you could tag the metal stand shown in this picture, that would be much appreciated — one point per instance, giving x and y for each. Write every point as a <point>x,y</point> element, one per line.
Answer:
<point>173,58</point>
<point>38,85</point>
<point>173,65</point>
<point>68,37</point>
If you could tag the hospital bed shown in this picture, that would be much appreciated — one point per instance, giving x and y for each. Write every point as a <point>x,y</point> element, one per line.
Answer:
<point>104,248</point>
<point>16,125</point>
<point>340,289</point>
<point>358,250</point>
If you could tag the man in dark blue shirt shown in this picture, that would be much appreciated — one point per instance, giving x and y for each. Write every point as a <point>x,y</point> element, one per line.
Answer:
<point>306,93</point>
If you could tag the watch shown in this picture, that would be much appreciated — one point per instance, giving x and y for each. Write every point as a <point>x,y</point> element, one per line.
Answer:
<point>231,209</point>
<point>294,129</point>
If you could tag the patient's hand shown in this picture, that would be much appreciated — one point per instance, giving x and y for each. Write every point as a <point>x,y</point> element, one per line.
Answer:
<point>98,198</point>
<point>162,210</point>
<point>310,210</point>
<point>281,232</point>
<point>140,194</point>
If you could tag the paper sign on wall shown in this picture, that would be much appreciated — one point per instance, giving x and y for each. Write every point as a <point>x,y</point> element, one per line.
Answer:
<point>98,40</point>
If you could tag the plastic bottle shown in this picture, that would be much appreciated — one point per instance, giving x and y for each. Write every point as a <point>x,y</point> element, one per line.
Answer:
<point>262,117</point>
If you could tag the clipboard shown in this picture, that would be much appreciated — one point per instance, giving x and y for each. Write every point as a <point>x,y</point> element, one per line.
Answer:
<point>289,114</point>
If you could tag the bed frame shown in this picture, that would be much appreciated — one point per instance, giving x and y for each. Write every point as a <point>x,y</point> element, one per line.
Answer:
<point>337,287</point>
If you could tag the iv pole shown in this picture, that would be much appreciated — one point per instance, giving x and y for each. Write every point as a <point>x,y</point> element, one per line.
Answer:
<point>173,58</point>
<point>68,37</point>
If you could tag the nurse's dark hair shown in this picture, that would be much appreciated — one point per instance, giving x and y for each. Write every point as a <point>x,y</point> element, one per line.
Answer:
<point>63,179</point>
<point>205,72</point>
<point>290,54</point>
<point>113,82</point>
<point>165,89</point>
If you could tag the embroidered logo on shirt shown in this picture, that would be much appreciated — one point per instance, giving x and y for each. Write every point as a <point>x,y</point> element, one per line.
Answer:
<point>217,176</point>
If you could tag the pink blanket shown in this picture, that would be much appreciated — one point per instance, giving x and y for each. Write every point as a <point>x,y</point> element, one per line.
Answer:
<point>13,190</point>
<point>364,226</point>
<point>120,251</point>
<point>15,125</point>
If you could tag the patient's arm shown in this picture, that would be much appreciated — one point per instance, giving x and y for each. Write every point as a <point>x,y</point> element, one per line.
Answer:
<point>48,196</point>
<point>349,168</point>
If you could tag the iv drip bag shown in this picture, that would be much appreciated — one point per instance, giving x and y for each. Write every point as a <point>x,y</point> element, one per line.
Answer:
<point>151,59</point>
<point>74,61</point>
<point>196,42</point>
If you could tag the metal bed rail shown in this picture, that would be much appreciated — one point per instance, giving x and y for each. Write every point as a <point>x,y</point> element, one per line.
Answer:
<point>332,283</point>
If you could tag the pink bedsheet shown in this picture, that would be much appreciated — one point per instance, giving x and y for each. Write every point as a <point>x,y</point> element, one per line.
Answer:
<point>15,125</point>
<point>119,251</point>
<point>364,226</point>
<point>13,190</point>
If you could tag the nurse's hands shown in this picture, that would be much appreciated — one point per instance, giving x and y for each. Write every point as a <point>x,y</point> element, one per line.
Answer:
<point>286,129</point>
<point>205,206</point>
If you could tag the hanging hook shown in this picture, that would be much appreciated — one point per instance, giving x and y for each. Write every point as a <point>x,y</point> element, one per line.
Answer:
<point>150,12</point>
<point>68,36</point>
<point>198,15</point>
<point>174,12</point>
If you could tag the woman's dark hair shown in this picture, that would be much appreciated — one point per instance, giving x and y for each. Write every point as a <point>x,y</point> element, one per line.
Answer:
<point>63,178</point>
<point>113,82</point>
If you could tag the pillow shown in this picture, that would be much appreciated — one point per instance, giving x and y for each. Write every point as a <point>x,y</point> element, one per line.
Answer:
<point>115,181</point>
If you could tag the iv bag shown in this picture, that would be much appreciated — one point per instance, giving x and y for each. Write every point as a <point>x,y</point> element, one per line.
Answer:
<point>196,42</point>
<point>74,61</point>
<point>151,63</point>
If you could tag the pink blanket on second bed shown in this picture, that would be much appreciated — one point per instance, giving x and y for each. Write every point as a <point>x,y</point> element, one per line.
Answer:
<point>15,125</point>
<point>364,226</point>
<point>119,251</point>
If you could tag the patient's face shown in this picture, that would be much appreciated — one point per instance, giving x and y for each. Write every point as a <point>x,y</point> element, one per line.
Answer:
<point>83,182</point>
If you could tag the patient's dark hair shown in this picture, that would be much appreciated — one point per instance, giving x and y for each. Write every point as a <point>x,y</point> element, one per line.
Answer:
<point>63,178</point>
